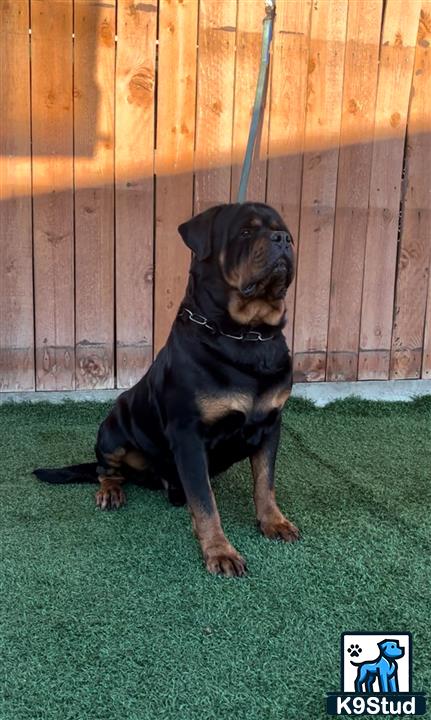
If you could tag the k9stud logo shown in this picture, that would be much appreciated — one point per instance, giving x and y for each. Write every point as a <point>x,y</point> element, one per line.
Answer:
<point>376,676</point>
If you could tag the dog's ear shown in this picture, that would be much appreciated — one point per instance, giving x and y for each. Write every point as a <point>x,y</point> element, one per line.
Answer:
<point>197,232</point>
<point>383,643</point>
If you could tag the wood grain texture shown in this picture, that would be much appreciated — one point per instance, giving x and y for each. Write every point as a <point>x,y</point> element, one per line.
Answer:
<point>414,255</point>
<point>395,76</point>
<point>426,358</point>
<point>94,68</point>
<point>52,136</point>
<point>354,170</point>
<point>215,99</point>
<point>134,154</point>
<point>322,131</point>
<point>16,275</point>
<point>287,122</point>
<point>248,52</point>
<point>176,107</point>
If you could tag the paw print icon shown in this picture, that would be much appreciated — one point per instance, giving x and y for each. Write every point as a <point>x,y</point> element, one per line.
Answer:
<point>354,650</point>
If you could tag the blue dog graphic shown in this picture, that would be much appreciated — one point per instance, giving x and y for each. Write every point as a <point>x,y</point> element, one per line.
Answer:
<point>385,669</point>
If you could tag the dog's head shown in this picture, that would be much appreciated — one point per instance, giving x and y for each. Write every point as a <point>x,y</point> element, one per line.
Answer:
<point>391,649</point>
<point>250,250</point>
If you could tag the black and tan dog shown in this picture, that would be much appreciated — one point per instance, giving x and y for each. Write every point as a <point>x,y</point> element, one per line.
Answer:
<point>215,392</point>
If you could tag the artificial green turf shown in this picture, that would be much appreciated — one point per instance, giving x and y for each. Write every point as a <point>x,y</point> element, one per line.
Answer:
<point>112,615</point>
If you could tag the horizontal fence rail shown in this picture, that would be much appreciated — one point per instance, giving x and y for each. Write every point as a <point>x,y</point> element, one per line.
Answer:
<point>121,119</point>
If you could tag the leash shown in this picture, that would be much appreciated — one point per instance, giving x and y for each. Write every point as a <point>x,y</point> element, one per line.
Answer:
<point>259,99</point>
<point>259,102</point>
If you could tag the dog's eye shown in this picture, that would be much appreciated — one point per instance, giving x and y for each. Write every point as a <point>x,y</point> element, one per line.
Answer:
<point>245,234</point>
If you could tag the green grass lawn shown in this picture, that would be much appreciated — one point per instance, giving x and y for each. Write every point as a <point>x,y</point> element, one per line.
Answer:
<point>112,615</point>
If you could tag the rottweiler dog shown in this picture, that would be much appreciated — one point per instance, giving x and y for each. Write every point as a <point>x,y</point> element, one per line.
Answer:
<point>215,392</point>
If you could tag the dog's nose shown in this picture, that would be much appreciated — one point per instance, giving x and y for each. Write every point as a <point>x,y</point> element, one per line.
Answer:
<point>281,238</point>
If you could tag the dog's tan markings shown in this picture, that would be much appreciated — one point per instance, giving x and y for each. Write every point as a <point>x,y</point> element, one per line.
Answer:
<point>240,274</point>
<point>111,495</point>
<point>233,276</point>
<point>271,520</point>
<point>273,399</point>
<point>115,458</point>
<point>135,459</point>
<point>256,222</point>
<point>255,312</point>
<point>220,556</point>
<point>215,407</point>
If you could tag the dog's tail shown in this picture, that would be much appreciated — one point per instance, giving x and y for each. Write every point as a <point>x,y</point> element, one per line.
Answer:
<point>84,473</point>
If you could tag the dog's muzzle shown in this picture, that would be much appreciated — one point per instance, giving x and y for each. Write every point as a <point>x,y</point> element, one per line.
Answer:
<point>282,238</point>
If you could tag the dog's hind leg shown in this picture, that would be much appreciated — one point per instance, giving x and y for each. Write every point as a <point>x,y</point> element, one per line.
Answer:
<point>110,452</point>
<point>140,471</point>
<point>110,495</point>
<point>361,678</point>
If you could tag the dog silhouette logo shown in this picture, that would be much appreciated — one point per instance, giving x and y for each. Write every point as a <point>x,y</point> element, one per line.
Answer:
<point>384,669</point>
<point>376,676</point>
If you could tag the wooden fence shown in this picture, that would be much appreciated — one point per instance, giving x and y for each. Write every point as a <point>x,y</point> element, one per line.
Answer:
<point>121,119</point>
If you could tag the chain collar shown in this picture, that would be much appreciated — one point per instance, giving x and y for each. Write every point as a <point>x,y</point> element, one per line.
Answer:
<point>251,335</point>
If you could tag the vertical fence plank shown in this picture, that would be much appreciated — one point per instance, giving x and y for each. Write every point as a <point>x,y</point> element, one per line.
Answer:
<point>16,277</point>
<point>426,362</point>
<point>94,66</point>
<point>424,43</point>
<point>354,170</point>
<point>324,96</point>
<point>394,83</point>
<point>414,255</point>
<point>134,169</point>
<point>287,121</point>
<point>176,106</point>
<point>216,66</point>
<point>52,137</point>
<point>248,50</point>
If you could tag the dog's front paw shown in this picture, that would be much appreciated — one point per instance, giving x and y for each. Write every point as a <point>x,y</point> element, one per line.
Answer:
<point>279,528</point>
<point>110,497</point>
<point>225,560</point>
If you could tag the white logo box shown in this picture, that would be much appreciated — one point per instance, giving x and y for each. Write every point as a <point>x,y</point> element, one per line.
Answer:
<point>368,642</point>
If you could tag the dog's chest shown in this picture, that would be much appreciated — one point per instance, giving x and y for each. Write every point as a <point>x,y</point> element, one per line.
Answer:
<point>241,407</point>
